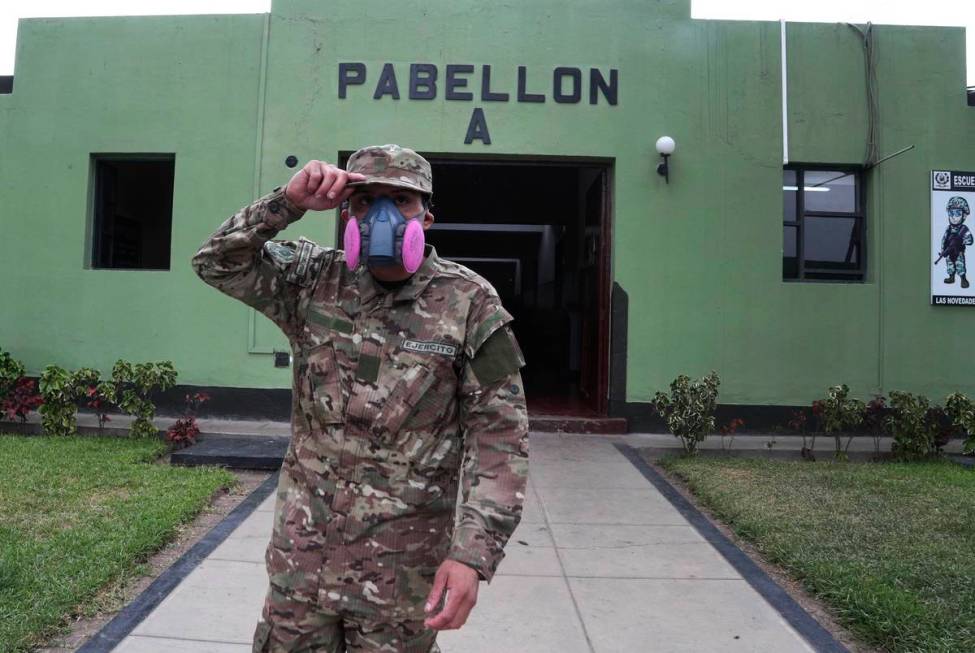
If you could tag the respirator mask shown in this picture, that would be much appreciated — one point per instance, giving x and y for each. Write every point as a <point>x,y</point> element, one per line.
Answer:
<point>384,237</point>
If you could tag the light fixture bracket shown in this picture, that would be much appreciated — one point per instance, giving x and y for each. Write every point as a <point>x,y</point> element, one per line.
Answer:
<point>663,168</point>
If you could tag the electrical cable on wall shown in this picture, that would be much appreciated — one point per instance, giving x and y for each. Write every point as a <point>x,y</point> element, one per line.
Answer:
<point>870,156</point>
<point>873,105</point>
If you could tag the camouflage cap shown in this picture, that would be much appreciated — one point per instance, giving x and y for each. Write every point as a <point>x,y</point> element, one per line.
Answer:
<point>392,165</point>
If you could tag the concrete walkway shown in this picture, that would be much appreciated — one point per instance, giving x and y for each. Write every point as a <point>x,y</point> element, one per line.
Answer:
<point>601,562</point>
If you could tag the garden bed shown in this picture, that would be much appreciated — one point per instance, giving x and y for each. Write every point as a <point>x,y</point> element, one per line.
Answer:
<point>888,547</point>
<point>79,513</point>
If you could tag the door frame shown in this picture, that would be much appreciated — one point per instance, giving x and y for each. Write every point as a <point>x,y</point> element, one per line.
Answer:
<point>604,291</point>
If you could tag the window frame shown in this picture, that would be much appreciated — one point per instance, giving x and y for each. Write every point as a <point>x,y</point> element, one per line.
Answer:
<point>826,275</point>
<point>94,225</point>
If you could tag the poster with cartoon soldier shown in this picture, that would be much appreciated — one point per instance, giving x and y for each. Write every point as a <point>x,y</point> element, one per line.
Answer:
<point>952,200</point>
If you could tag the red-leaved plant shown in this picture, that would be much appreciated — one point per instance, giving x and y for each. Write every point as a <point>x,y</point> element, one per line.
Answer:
<point>22,399</point>
<point>184,431</point>
<point>728,431</point>
<point>875,420</point>
<point>799,424</point>
<point>98,403</point>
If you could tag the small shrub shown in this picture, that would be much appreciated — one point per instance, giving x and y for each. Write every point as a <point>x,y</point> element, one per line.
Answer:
<point>689,409</point>
<point>913,425</point>
<point>21,400</point>
<point>130,389</point>
<point>11,371</point>
<point>728,431</point>
<point>961,410</point>
<point>798,423</point>
<point>184,431</point>
<point>61,392</point>
<point>88,387</point>
<point>98,399</point>
<point>841,414</point>
<point>942,427</point>
<point>875,420</point>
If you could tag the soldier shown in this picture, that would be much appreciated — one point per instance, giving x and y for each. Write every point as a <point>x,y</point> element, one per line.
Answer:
<point>405,372</point>
<point>955,239</point>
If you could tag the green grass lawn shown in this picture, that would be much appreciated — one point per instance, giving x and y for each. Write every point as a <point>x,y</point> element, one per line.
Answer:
<point>77,514</point>
<point>891,547</point>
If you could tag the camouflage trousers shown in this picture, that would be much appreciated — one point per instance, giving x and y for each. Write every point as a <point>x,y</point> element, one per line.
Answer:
<point>956,267</point>
<point>289,625</point>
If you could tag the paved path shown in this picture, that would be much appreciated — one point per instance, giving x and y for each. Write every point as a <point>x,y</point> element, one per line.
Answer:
<point>601,562</point>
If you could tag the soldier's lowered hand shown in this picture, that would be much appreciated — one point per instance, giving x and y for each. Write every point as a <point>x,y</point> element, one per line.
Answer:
<point>320,186</point>
<point>460,582</point>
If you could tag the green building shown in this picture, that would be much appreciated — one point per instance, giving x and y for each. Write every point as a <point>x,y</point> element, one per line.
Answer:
<point>777,250</point>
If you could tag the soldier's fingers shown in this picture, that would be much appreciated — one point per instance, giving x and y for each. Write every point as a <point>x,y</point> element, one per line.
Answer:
<point>439,585</point>
<point>459,604</point>
<point>464,607</point>
<point>452,610</point>
<point>314,172</point>
<point>356,176</point>
<point>328,178</point>
<point>320,169</point>
<point>298,182</point>
<point>341,179</point>
<point>440,621</point>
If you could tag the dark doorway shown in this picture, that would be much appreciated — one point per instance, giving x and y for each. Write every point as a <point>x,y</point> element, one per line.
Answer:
<point>534,230</point>
<point>539,231</point>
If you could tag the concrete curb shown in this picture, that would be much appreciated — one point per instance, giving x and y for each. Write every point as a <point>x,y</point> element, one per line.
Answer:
<point>810,629</point>
<point>112,633</point>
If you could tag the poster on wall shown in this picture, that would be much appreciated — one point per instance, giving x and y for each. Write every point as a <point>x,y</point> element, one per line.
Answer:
<point>952,200</point>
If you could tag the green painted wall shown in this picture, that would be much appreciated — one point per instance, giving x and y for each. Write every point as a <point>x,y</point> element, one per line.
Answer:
<point>233,96</point>
<point>184,85</point>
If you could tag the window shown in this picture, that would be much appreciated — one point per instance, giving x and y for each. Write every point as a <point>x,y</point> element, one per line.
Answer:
<point>823,224</point>
<point>132,212</point>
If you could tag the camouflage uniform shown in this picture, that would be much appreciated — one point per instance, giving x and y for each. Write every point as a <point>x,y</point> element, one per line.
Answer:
<point>955,239</point>
<point>394,392</point>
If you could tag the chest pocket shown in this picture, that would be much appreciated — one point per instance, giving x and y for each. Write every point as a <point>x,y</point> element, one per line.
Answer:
<point>421,409</point>
<point>325,393</point>
<point>322,396</point>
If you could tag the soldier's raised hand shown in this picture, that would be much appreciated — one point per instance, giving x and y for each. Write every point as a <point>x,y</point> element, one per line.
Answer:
<point>320,186</point>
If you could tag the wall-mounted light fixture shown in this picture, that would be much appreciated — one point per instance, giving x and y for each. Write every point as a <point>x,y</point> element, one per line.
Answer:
<point>665,147</point>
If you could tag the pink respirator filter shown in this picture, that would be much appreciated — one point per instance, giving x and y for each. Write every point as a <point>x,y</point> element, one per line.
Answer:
<point>413,245</point>
<point>352,242</point>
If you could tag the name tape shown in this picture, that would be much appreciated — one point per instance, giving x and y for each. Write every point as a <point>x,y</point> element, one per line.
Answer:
<point>429,347</point>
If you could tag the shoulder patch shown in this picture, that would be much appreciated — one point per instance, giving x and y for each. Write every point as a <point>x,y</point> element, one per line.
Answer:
<point>299,261</point>
<point>279,252</point>
<point>300,269</point>
<point>498,357</point>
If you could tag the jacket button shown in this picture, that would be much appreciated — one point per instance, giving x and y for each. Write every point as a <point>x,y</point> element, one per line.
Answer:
<point>274,207</point>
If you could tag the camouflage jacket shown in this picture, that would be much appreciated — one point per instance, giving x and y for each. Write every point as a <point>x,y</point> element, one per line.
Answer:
<point>394,394</point>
